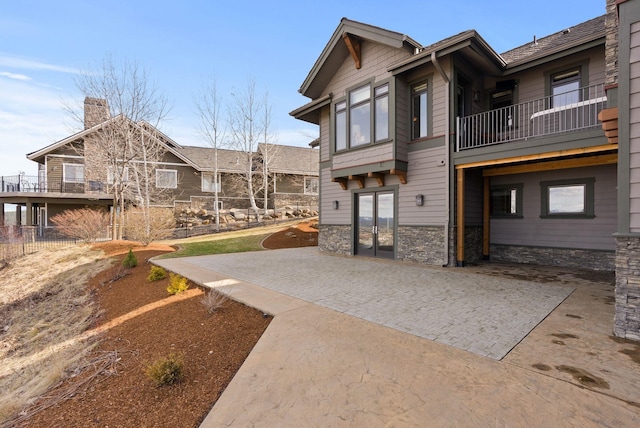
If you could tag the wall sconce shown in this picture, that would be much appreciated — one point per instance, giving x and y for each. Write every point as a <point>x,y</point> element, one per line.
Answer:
<point>419,200</point>
<point>336,204</point>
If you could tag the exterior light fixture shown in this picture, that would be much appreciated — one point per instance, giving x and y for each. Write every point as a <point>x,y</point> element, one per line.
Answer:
<point>335,205</point>
<point>419,200</point>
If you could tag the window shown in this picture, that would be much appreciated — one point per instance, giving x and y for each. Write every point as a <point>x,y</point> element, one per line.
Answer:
<point>419,110</point>
<point>73,173</point>
<point>166,178</point>
<point>208,183</point>
<point>565,88</point>
<point>310,185</point>
<point>567,198</point>
<point>357,120</point>
<point>123,175</point>
<point>506,201</point>
<point>341,126</point>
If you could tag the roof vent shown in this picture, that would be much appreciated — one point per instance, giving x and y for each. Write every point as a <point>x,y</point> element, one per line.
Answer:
<point>535,40</point>
<point>567,31</point>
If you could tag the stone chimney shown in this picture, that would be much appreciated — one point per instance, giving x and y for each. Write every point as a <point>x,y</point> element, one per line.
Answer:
<point>611,44</point>
<point>96,111</point>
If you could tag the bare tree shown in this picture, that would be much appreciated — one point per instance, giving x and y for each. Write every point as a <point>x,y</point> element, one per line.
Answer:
<point>128,108</point>
<point>249,120</point>
<point>209,106</point>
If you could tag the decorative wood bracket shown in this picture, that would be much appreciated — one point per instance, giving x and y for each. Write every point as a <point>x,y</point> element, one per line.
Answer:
<point>609,119</point>
<point>379,178</point>
<point>341,181</point>
<point>402,175</point>
<point>353,44</point>
<point>359,179</point>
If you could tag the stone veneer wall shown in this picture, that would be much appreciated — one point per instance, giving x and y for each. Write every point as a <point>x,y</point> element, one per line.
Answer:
<point>293,200</point>
<point>422,244</point>
<point>472,245</point>
<point>566,257</point>
<point>627,317</point>
<point>335,239</point>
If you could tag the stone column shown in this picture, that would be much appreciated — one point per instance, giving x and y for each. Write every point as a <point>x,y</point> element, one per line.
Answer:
<point>627,317</point>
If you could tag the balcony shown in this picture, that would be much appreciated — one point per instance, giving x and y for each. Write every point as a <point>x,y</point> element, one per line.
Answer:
<point>561,113</point>
<point>26,183</point>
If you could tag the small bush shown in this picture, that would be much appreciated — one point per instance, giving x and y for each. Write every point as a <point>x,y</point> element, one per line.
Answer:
<point>130,261</point>
<point>156,273</point>
<point>213,301</point>
<point>166,371</point>
<point>177,284</point>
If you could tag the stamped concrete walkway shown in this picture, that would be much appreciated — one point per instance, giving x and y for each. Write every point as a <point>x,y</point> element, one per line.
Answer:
<point>337,352</point>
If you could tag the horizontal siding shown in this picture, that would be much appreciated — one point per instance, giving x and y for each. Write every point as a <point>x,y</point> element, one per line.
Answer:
<point>531,230</point>
<point>473,198</point>
<point>634,137</point>
<point>325,125</point>
<point>333,192</point>
<point>425,176</point>
<point>365,156</point>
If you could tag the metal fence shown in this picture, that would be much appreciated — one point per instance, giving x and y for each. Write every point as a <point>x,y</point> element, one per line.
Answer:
<point>571,111</point>
<point>18,241</point>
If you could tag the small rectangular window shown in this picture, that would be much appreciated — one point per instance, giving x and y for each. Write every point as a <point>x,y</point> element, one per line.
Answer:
<point>419,110</point>
<point>506,201</point>
<point>311,185</point>
<point>565,88</point>
<point>73,173</point>
<point>121,177</point>
<point>166,178</point>
<point>568,198</point>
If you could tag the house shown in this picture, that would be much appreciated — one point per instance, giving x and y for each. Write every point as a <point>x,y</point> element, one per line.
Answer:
<point>450,153</point>
<point>77,172</point>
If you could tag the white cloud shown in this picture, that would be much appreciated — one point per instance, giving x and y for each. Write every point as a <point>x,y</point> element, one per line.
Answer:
<point>7,60</point>
<point>14,76</point>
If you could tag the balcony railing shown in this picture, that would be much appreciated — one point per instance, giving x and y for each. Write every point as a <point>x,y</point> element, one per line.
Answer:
<point>29,183</point>
<point>572,111</point>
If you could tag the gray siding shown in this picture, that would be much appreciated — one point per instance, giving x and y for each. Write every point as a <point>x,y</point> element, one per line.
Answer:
<point>531,230</point>
<point>325,125</point>
<point>634,131</point>
<point>333,192</point>
<point>473,198</point>
<point>425,176</point>
<point>365,156</point>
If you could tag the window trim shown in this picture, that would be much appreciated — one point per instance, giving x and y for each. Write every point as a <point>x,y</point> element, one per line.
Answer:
<point>175,174</point>
<point>588,183</point>
<point>429,81</point>
<point>337,108</point>
<point>218,183</point>
<point>317,186</point>
<point>518,187</point>
<point>64,173</point>
<point>583,70</point>
<point>110,176</point>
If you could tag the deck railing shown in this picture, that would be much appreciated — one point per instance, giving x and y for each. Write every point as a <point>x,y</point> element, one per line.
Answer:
<point>32,183</point>
<point>571,111</point>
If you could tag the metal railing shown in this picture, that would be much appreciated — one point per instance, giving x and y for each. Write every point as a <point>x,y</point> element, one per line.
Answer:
<point>571,111</point>
<point>32,183</point>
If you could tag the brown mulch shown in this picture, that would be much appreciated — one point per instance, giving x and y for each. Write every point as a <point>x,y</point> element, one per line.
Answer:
<point>142,324</point>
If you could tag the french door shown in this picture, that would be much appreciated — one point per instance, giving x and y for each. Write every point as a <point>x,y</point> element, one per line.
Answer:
<point>375,224</point>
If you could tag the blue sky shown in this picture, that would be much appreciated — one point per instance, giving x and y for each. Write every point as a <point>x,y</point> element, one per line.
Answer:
<point>184,43</point>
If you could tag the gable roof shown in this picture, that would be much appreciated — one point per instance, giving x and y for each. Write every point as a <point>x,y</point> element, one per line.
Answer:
<point>204,158</point>
<point>335,52</point>
<point>586,34</point>
<point>292,159</point>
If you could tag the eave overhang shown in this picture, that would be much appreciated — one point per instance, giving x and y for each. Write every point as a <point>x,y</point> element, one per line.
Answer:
<point>310,112</point>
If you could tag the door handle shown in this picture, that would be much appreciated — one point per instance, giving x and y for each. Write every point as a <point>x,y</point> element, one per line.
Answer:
<point>374,230</point>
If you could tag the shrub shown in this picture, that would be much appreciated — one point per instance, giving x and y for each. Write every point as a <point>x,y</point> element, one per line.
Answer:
<point>177,284</point>
<point>166,371</point>
<point>214,300</point>
<point>156,273</point>
<point>130,261</point>
<point>150,224</point>
<point>85,223</point>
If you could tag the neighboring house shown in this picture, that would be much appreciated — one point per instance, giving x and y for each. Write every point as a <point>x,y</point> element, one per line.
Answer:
<point>450,153</point>
<point>70,174</point>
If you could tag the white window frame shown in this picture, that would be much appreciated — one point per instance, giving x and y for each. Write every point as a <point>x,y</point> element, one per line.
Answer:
<point>210,189</point>
<point>161,185</point>
<point>65,173</point>
<point>308,182</point>
<point>110,177</point>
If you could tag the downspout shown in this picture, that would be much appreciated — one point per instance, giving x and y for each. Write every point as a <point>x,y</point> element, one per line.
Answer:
<point>447,132</point>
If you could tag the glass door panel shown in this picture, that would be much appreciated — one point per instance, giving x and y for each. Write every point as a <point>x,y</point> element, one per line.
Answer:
<point>365,225</point>
<point>384,225</point>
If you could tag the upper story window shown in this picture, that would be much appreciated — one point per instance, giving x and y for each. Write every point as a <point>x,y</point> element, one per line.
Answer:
<point>166,178</point>
<point>419,110</point>
<point>73,173</point>
<point>122,175</point>
<point>363,117</point>
<point>565,88</point>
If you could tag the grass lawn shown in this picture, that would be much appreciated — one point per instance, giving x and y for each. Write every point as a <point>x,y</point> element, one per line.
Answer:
<point>237,244</point>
